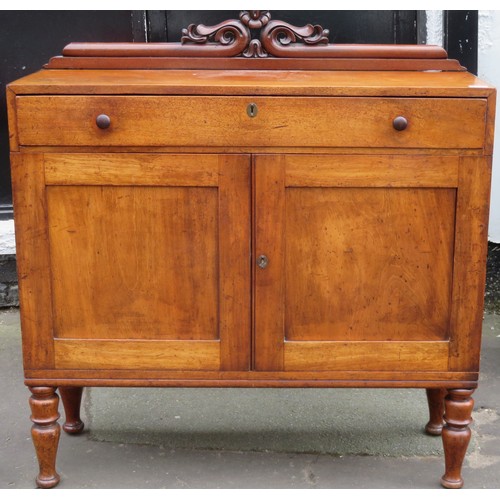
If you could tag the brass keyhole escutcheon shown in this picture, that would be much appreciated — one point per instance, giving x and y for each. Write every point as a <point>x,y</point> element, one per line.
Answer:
<point>262,261</point>
<point>252,110</point>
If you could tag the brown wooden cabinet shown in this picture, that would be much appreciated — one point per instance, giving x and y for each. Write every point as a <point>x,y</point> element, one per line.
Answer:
<point>251,222</point>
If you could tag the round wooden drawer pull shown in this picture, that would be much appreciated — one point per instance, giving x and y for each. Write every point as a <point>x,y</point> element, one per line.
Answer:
<point>400,123</point>
<point>103,121</point>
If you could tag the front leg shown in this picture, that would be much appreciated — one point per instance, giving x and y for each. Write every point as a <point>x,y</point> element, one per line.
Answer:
<point>456,434</point>
<point>71,398</point>
<point>45,433</point>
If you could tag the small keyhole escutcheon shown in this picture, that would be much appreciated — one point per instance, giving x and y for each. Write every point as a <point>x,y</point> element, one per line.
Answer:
<point>252,110</point>
<point>262,261</point>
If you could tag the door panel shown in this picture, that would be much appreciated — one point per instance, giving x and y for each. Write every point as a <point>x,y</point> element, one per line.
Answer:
<point>368,263</point>
<point>138,260</point>
<point>159,272</point>
<point>359,274</point>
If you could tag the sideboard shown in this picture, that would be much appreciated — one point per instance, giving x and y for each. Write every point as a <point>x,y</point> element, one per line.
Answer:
<point>233,211</point>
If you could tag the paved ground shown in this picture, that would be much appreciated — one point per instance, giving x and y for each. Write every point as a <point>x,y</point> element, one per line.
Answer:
<point>248,438</point>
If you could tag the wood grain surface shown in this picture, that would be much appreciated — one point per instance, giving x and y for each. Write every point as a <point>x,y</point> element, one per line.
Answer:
<point>471,248</point>
<point>143,355</point>
<point>257,82</point>
<point>371,171</point>
<point>33,259</point>
<point>240,63</point>
<point>368,263</point>
<point>127,169</point>
<point>223,121</point>
<point>137,259</point>
<point>383,355</point>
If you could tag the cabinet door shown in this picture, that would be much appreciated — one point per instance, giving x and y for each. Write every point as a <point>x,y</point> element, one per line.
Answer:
<point>138,261</point>
<point>359,263</point>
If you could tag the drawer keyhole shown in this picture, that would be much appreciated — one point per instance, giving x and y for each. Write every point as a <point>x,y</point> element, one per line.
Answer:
<point>252,110</point>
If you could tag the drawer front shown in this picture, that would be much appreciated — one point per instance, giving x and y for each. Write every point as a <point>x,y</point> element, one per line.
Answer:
<point>251,121</point>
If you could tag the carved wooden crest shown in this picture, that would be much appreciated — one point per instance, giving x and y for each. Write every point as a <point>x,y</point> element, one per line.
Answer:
<point>277,38</point>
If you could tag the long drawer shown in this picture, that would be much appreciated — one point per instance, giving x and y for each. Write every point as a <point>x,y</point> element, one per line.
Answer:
<point>452,123</point>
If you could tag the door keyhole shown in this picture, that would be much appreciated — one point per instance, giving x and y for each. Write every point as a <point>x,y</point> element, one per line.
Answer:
<point>262,261</point>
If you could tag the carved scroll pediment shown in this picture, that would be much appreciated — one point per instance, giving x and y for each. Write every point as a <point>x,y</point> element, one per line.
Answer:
<point>276,38</point>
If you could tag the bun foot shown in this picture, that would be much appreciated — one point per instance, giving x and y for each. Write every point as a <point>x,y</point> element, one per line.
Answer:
<point>434,430</point>
<point>48,482</point>
<point>73,428</point>
<point>454,485</point>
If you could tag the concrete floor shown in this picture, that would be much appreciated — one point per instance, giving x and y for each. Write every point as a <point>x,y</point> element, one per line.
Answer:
<point>248,438</point>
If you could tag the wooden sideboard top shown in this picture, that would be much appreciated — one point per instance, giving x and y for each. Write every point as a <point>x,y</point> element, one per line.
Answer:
<point>253,82</point>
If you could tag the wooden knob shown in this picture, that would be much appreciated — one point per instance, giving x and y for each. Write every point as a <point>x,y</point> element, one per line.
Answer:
<point>400,123</point>
<point>103,121</point>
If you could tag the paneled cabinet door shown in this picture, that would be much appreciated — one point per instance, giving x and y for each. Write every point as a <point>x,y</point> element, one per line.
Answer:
<point>139,260</point>
<point>354,262</point>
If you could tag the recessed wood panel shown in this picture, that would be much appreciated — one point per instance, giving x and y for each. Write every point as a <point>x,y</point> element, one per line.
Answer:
<point>367,356</point>
<point>134,262</point>
<point>137,354</point>
<point>125,169</point>
<point>365,264</point>
<point>371,171</point>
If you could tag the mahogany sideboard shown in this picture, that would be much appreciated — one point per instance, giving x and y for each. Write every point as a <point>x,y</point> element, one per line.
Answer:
<point>231,211</point>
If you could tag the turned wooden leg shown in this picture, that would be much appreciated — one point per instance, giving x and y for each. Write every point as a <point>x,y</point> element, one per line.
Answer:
<point>456,434</point>
<point>71,398</point>
<point>45,433</point>
<point>435,398</point>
